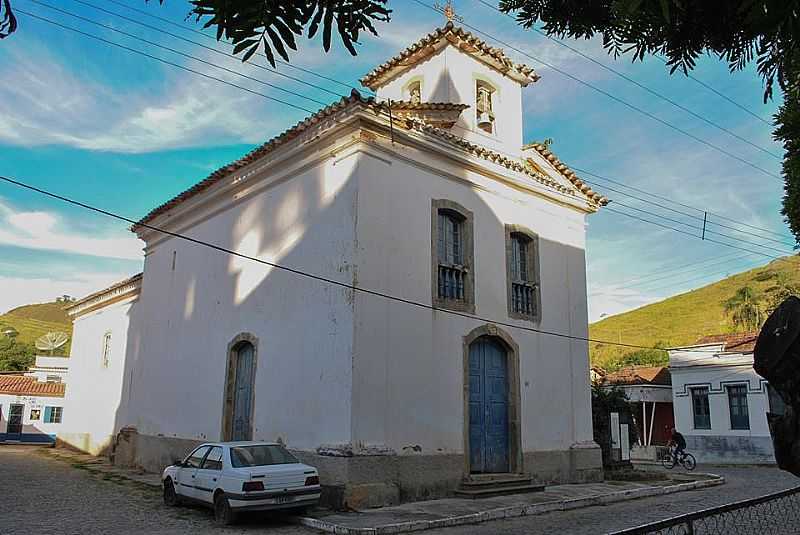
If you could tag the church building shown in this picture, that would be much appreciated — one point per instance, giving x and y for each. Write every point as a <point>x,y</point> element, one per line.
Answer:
<point>406,309</point>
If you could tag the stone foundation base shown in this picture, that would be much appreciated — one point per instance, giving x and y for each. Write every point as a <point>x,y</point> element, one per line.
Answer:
<point>731,449</point>
<point>364,481</point>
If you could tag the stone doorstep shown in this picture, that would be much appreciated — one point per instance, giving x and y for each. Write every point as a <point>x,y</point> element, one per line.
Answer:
<point>512,511</point>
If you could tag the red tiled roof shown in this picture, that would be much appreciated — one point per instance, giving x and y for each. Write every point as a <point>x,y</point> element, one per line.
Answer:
<point>260,151</point>
<point>461,39</point>
<point>734,342</point>
<point>639,375</point>
<point>20,385</point>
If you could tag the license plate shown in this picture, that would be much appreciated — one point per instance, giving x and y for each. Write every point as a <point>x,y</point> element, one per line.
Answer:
<point>284,499</point>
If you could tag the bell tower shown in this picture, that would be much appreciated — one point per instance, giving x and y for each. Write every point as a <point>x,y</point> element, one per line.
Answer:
<point>451,65</point>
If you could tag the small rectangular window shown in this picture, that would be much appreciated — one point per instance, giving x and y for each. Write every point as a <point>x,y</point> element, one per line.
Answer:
<point>36,414</point>
<point>106,355</point>
<point>737,403</point>
<point>452,276</point>
<point>522,273</point>
<point>52,415</point>
<point>452,273</point>
<point>776,404</point>
<point>700,408</point>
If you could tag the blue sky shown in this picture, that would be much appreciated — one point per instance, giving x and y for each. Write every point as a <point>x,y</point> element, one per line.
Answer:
<point>126,133</point>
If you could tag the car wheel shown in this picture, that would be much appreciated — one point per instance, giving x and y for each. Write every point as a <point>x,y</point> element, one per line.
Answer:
<point>170,496</point>
<point>223,514</point>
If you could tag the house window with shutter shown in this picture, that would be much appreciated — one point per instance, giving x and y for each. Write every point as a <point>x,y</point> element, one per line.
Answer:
<point>700,409</point>
<point>484,106</point>
<point>52,415</point>
<point>451,230</point>
<point>522,260</point>
<point>737,403</point>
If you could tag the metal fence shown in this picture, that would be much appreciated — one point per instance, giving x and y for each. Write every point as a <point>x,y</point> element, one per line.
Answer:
<point>773,514</point>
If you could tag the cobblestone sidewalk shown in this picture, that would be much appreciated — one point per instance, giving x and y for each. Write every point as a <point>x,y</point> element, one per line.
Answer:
<point>418,516</point>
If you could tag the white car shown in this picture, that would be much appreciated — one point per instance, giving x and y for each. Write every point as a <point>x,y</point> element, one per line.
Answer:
<point>241,476</point>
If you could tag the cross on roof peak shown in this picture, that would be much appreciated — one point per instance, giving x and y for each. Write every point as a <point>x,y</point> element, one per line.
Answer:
<point>448,11</point>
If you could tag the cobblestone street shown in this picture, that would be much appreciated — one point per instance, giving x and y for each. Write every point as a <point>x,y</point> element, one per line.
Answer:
<point>42,495</point>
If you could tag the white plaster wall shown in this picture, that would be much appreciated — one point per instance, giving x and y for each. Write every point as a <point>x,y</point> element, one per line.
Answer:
<point>94,391</point>
<point>717,377</point>
<point>32,402</point>
<point>191,313</point>
<point>408,382</point>
<point>451,76</point>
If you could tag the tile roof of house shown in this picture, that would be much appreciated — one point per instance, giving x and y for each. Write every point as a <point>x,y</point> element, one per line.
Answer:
<point>639,375</point>
<point>355,100</point>
<point>734,342</point>
<point>461,39</point>
<point>21,385</point>
<point>101,293</point>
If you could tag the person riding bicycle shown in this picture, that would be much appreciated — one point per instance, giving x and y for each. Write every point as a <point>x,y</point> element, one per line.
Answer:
<point>679,442</point>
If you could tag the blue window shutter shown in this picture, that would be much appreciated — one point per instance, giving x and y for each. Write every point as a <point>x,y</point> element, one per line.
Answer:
<point>47,412</point>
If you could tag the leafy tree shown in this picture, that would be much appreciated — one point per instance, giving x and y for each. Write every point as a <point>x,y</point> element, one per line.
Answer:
<point>739,32</point>
<point>15,355</point>
<point>606,400</point>
<point>253,24</point>
<point>784,287</point>
<point>745,310</point>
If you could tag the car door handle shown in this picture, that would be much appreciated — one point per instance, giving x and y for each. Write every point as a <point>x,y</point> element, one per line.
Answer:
<point>192,477</point>
<point>214,479</point>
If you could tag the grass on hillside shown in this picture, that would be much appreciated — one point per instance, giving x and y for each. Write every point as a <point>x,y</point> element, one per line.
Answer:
<point>682,319</point>
<point>33,321</point>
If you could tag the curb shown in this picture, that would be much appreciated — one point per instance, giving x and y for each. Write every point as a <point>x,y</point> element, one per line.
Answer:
<point>513,511</point>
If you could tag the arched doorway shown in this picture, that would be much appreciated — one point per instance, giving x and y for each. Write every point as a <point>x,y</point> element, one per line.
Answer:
<point>240,389</point>
<point>491,384</point>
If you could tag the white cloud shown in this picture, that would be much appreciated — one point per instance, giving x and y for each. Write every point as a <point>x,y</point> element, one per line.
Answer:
<point>18,291</point>
<point>610,300</point>
<point>49,104</point>
<point>45,231</point>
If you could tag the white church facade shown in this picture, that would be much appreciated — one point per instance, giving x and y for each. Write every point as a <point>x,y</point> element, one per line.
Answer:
<point>442,250</point>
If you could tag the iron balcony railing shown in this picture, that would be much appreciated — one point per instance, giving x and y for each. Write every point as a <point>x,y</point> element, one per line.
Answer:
<point>451,281</point>
<point>523,298</point>
<point>773,514</point>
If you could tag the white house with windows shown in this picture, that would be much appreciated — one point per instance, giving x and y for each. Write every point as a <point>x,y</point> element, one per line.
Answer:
<point>720,403</point>
<point>101,323</point>
<point>440,250</point>
<point>31,410</point>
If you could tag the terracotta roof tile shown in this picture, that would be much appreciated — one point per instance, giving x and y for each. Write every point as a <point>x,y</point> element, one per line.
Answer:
<point>733,342</point>
<point>21,385</point>
<point>567,173</point>
<point>461,39</point>
<point>639,375</point>
<point>260,151</point>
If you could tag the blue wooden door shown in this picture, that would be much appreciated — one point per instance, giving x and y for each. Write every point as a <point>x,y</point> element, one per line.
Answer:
<point>243,393</point>
<point>488,407</point>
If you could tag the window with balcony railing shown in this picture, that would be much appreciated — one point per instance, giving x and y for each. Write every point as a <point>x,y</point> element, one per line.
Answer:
<point>523,276</point>
<point>452,233</point>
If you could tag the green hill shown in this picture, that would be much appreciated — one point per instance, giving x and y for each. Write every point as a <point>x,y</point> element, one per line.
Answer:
<point>32,321</point>
<point>683,318</point>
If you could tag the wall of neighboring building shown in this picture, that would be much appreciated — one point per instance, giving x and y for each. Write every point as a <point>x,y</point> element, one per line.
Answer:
<point>47,368</point>
<point>451,76</point>
<point>195,301</point>
<point>94,397</point>
<point>721,443</point>
<point>409,362</point>
<point>33,430</point>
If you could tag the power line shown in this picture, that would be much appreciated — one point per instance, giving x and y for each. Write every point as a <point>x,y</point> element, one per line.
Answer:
<point>642,86</point>
<point>304,109</point>
<point>178,52</point>
<point>302,273</point>
<point>212,49</point>
<point>616,99</point>
<point>193,30</point>
<point>667,199</point>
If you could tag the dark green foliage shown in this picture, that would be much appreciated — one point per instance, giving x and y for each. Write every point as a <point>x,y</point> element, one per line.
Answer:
<point>788,132</point>
<point>15,356</point>
<point>737,31</point>
<point>606,400</point>
<point>745,309</point>
<point>251,24</point>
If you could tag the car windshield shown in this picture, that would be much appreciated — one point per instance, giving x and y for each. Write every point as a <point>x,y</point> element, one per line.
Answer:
<point>261,455</point>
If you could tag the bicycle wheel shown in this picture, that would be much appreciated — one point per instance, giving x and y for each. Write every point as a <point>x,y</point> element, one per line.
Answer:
<point>689,462</point>
<point>668,461</point>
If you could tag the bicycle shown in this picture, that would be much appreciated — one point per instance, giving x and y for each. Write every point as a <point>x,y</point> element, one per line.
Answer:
<point>686,460</point>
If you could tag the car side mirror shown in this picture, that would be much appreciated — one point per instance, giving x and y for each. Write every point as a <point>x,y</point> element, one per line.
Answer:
<point>177,462</point>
